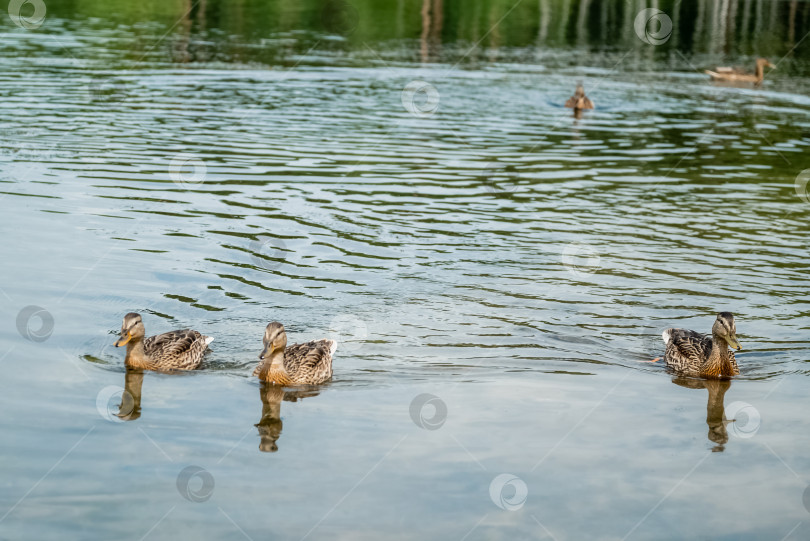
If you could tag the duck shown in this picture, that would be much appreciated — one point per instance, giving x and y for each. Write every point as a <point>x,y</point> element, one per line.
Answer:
<point>175,350</point>
<point>579,101</point>
<point>300,364</point>
<point>692,353</point>
<point>739,76</point>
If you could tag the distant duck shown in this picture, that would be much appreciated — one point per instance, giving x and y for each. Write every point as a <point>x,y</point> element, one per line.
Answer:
<point>739,76</point>
<point>579,101</point>
<point>175,350</point>
<point>694,354</point>
<point>299,364</point>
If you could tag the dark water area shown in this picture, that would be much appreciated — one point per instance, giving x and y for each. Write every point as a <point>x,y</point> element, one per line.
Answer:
<point>403,177</point>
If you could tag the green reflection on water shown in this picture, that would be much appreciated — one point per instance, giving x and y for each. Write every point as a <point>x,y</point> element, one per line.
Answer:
<point>438,30</point>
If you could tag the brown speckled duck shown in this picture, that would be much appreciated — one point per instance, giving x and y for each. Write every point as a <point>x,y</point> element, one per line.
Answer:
<point>299,364</point>
<point>175,350</point>
<point>738,76</point>
<point>694,354</point>
<point>579,101</point>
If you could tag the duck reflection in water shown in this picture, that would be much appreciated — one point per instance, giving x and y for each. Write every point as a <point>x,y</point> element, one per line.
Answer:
<point>715,409</point>
<point>130,407</point>
<point>270,424</point>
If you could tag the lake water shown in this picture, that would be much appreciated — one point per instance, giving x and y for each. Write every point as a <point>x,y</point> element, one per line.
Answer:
<point>403,176</point>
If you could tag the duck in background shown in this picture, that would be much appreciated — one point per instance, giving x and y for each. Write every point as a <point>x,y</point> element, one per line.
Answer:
<point>732,75</point>
<point>579,101</point>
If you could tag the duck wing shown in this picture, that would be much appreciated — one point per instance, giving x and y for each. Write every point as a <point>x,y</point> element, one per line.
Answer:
<point>686,350</point>
<point>181,349</point>
<point>733,361</point>
<point>310,362</point>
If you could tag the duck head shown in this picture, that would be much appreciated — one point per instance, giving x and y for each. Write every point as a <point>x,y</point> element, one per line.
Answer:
<point>132,329</point>
<point>725,328</point>
<point>275,340</point>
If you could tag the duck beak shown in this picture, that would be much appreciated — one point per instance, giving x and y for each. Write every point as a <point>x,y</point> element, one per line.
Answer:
<point>122,341</point>
<point>733,342</point>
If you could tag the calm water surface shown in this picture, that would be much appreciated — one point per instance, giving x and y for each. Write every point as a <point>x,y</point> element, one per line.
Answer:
<point>494,269</point>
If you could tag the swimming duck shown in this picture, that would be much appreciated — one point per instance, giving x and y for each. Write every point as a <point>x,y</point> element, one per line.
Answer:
<point>299,364</point>
<point>739,76</point>
<point>175,350</point>
<point>579,101</point>
<point>694,354</point>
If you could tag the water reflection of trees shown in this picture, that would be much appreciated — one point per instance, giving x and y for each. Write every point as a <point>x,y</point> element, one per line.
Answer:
<point>711,27</point>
